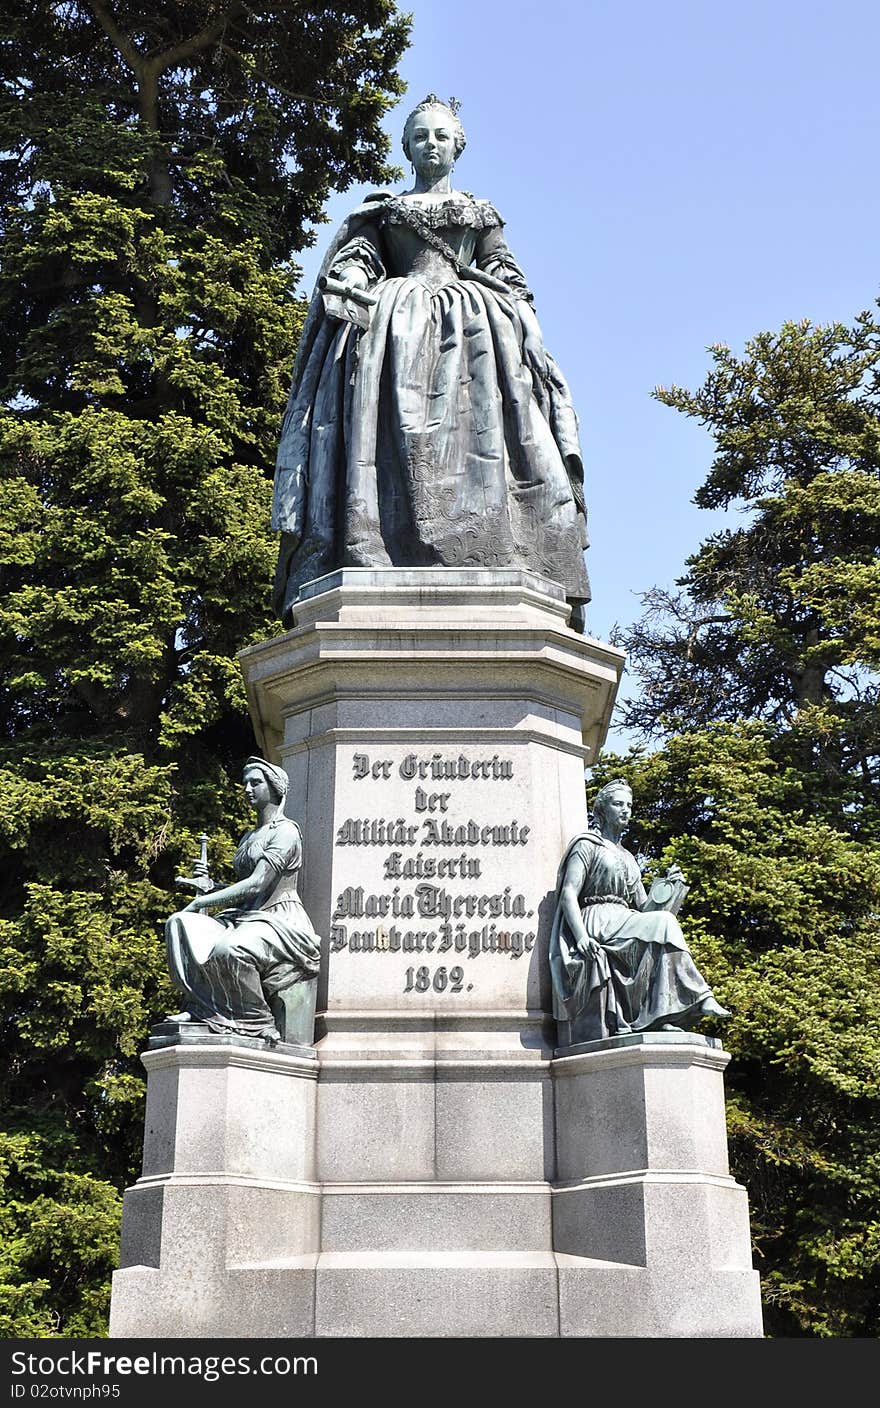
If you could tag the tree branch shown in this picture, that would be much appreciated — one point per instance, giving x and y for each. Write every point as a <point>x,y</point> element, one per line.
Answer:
<point>270,82</point>
<point>170,58</point>
<point>158,61</point>
<point>124,46</point>
<point>695,628</point>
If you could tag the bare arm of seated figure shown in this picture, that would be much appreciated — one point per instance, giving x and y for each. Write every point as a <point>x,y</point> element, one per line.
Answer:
<point>254,886</point>
<point>569,899</point>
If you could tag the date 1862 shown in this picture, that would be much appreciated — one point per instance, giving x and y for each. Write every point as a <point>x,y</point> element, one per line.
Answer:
<point>441,980</point>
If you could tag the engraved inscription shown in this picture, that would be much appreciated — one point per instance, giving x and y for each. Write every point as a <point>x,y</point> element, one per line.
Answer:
<point>420,901</point>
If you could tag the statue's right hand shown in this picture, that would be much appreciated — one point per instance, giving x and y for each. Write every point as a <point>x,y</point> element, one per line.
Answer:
<point>355,276</point>
<point>588,947</point>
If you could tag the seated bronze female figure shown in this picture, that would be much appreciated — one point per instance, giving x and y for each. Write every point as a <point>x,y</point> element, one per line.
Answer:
<point>241,969</point>
<point>618,963</point>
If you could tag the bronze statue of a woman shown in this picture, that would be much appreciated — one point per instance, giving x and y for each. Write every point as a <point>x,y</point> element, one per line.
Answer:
<point>239,967</point>
<point>619,963</point>
<point>427,423</point>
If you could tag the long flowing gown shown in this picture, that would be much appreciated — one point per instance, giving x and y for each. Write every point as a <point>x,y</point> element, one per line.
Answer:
<point>425,439</point>
<point>644,975</point>
<point>231,964</point>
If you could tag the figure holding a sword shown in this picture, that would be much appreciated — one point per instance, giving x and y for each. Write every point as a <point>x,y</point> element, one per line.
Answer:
<point>259,942</point>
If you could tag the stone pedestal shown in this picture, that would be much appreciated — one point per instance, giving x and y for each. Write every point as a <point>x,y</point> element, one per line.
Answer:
<point>650,1231</point>
<point>435,726</point>
<point>228,1198</point>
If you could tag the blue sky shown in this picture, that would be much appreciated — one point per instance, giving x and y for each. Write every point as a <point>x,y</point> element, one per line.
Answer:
<point>671,176</point>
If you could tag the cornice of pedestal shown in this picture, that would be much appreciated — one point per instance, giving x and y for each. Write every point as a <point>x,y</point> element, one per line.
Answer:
<point>207,1055</point>
<point>386,635</point>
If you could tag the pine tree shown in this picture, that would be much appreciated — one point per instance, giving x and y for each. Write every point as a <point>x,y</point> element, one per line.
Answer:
<point>161,165</point>
<point>760,680</point>
<point>780,619</point>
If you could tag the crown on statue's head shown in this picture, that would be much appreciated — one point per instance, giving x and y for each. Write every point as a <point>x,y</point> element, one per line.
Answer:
<point>453,104</point>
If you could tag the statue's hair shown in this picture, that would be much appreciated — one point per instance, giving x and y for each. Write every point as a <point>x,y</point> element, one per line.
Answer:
<point>432,101</point>
<point>605,792</point>
<point>276,777</point>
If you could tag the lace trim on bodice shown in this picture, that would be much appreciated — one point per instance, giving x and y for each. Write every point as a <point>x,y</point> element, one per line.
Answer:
<point>461,209</point>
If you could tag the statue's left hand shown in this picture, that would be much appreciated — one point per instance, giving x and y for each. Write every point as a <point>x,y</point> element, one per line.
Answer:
<point>675,873</point>
<point>534,355</point>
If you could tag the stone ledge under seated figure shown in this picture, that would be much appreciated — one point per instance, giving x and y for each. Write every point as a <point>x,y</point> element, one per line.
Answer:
<point>627,1040</point>
<point>169,1033</point>
<point>619,964</point>
<point>250,971</point>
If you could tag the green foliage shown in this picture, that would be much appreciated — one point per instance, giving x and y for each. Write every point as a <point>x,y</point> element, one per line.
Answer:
<point>783,612</point>
<point>759,678</point>
<point>160,167</point>
<point>60,1232</point>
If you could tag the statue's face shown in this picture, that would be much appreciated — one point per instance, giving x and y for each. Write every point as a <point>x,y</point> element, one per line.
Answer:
<point>432,143</point>
<point>618,806</point>
<point>256,788</point>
